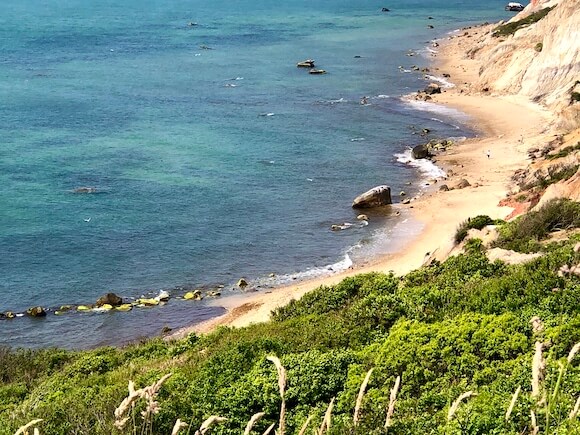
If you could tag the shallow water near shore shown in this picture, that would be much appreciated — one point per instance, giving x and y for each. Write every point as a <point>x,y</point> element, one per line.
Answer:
<point>212,155</point>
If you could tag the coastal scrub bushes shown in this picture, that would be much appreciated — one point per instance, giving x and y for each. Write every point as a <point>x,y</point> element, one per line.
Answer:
<point>512,27</point>
<point>525,233</point>
<point>445,330</point>
<point>478,223</point>
<point>566,150</point>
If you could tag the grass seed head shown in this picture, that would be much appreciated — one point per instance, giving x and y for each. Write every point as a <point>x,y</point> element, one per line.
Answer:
<point>361,394</point>
<point>178,426</point>
<point>24,429</point>
<point>392,402</point>
<point>573,352</point>
<point>253,421</point>
<point>455,405</point>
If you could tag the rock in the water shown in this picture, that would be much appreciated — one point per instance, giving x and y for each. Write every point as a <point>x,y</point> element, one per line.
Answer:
<point>406,201</point>
<point>362,217</point>
<point>213,294</point>
<point>85,189</point>
<point>242,283</point>
<point>420,152</point>
<point>376,197</point>
<point>36,312</point>
<point>147,302</point>
<point>195,295</point>
<point>9,315</point>
<point>444,188</point>
<point>462,184</point>
<point>124,307</point>
<point>110,299</point>
<point>432,88</point>
<point>403,193</point>
<point>163,296</point>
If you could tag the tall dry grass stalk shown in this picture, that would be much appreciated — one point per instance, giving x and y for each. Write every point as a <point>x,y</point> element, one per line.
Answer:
<point>535,428</point>
<point>538,367</point>
<point>325,426</point>
<point>270,429</point>
<point>178,426</point>
<point>512,403</point>
<point>392,401</point>
<point>122,411</point>
<point>361,394</point>
<point>282,387</point>
<point>149,394</point>
<point>305,425</point>
<point>455,405</point>
<point>574,412</point>
<point>208,423</point>
<point>257,416</point>
<point>23,430</point>
<point>537,325</point>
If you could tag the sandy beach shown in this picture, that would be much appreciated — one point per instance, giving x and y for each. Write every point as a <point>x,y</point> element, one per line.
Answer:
<point>506,128</point>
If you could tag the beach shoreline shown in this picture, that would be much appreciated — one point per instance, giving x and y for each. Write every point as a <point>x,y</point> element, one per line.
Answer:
<point>487,162</point>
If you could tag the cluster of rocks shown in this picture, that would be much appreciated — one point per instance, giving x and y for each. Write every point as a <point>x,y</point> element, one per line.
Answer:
<point>542,152</point>
<point>113,302</point>
<point>425,94</point>
<point>431,148</point>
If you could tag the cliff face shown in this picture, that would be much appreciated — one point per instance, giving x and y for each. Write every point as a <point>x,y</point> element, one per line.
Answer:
<point>540,61</point>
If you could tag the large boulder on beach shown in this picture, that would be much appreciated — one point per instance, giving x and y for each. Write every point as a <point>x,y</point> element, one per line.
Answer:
<point>109,299</point>
<point>462,184</point>
<point>420,152</point>
<point>432,88</point>
<point>376,197</point>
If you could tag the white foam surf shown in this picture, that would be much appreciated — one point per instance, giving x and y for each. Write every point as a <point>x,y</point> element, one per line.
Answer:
<point>425,166</point>
<point>442,80</point>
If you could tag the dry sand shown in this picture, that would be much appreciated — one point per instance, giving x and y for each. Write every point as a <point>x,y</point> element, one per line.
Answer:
<point>507,127</point>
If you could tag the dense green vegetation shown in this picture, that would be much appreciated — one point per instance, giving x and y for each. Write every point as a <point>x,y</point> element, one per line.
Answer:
<point>527,231</point>
<point>478,222</point>
<point>511,28</point>
<point>446,329</point>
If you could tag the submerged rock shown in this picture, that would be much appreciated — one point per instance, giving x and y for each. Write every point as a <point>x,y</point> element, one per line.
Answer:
<point>242,283</point>
<point>85,189</point>
<point>376,197</point>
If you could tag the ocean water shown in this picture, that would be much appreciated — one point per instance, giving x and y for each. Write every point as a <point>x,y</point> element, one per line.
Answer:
<point>212,155</point>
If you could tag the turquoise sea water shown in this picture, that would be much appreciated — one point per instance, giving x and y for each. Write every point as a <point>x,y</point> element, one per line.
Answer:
<point>209,164</point>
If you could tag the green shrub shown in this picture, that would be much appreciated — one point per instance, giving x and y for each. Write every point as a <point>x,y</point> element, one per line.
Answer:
<point>511,28</point>
<point>564,151</point>
<point>478,223</point>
